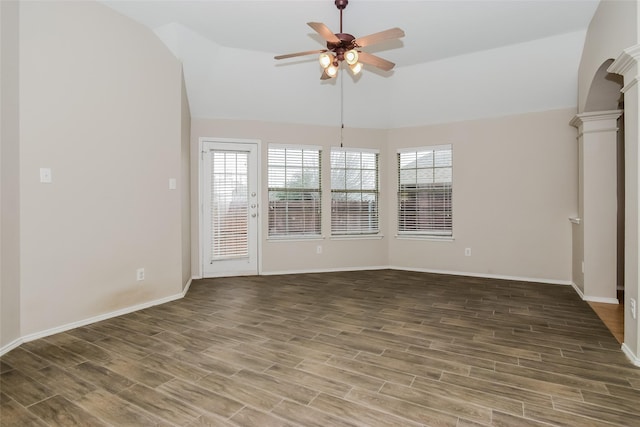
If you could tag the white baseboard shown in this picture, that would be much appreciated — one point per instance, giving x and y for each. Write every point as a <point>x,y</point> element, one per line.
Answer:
<point>632,357</point>
<point>594,299</point>
<point>423,270</point>
<point>13,344</point>
<point>99,318</point>
<point>323,270</point>
<point>487,276</point>
<point>602,299</point>
<point>578,290</point>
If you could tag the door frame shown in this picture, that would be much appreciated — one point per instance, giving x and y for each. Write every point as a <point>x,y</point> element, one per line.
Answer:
<point>258,143</point>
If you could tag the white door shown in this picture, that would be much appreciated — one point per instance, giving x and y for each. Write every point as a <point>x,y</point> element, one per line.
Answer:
<point>230,196</point>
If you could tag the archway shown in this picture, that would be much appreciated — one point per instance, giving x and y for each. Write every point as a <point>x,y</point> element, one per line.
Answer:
<point>601,198</point>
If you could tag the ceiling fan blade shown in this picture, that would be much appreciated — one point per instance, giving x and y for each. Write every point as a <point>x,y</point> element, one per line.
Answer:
<point>376,61</point>
<point>324,31</point>
<point>393,33</point>
<point>292,55</point>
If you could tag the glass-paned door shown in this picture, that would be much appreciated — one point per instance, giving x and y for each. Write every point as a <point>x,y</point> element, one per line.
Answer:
<point>229,208</point>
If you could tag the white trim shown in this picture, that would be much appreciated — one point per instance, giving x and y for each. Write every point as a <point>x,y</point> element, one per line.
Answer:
<point>583,297</point>
<point>424,270</point>
<point>356,150</point>
<point>236,141</point>
<point>355,236</point>
<point>431,237</point>
<point>229,140</point>
<point>292,238</point>
<point>602,300</point>
<point>486,276</point>
<point>578,290</point>
<point>102,317</point>
<point>596,116</point>
<point>13,344</point>
<point>278,145</point>
<point>628,86</point>
<point>426,148</point>
<point>632,357</point>
<point>625,61</point>
<point>99,318</point>
<point>326,270</point>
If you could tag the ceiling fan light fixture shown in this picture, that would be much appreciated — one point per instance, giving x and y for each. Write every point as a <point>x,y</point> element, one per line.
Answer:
<point>331,70</point>
<point>325,60</point>
<point>345,47</point>
<point>356,68</point>
<point>351,56</point>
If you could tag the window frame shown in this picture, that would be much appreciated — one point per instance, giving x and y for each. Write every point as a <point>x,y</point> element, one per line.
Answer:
<point>342,232</point>
<point>295,192</point>
<point>443,231</point>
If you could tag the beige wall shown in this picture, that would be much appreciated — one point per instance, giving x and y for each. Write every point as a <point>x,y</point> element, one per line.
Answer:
<point>100,104</point>
<point>514,188</point>
<point>292,256</point>
<point>10,175</point>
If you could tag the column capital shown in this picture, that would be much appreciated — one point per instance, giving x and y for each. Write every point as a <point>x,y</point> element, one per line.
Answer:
<point>596,121</point>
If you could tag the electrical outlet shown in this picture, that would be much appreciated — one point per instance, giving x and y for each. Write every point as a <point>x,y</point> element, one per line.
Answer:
<point>319,249</point>
<point>140,274</point>
<point>467,251</point>
<point>45,175</point>
<point>632,303</point>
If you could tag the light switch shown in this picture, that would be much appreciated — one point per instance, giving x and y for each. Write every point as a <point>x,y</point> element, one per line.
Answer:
<point>172,183</point>
<point>45,175</point>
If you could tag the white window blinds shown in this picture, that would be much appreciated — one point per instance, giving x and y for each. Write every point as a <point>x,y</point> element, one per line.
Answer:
<point>354,191</point>
<point>425,188</point>
<point>229,201</point>
<point>294,191</point>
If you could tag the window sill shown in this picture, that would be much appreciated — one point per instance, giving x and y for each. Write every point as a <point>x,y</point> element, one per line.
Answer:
<point>293,238</point>
<point>358,237</point>
<point>430,238</point>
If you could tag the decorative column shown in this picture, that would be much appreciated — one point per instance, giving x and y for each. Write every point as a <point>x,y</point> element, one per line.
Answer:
<point>597,203</point>
<point>627,66</point>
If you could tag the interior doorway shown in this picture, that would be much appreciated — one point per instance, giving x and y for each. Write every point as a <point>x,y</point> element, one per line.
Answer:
<point>605,94</point>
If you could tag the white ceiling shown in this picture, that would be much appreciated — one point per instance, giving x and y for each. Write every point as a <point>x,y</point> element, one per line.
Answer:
<point>203,33</point>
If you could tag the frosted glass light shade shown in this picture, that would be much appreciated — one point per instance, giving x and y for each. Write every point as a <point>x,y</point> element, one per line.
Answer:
<point>351,56</point>
<point>331,70</point>
<point>356,68</point>
<point>325,60</point>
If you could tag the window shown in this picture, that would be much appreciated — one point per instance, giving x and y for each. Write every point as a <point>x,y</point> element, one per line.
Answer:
<point>294,191</point>
<point>354,191</point>
<point>424,191</point>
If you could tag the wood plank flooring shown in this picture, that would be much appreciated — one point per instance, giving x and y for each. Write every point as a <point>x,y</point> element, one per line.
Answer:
<point>369,348</point>
<point>612,315</point>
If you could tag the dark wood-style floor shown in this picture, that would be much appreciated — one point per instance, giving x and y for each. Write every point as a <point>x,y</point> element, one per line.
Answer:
<point>371,348</point>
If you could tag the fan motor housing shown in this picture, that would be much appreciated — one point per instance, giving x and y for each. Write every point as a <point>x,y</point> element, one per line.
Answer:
<point>346,43</point>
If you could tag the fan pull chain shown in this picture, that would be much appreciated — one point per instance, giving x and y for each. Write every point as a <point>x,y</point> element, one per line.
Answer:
<point>341,106</point>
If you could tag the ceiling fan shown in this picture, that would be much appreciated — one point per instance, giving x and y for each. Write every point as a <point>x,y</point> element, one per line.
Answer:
<point>345,47</point>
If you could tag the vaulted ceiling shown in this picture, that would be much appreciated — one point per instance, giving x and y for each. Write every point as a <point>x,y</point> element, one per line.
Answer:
<point>459,60</point>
